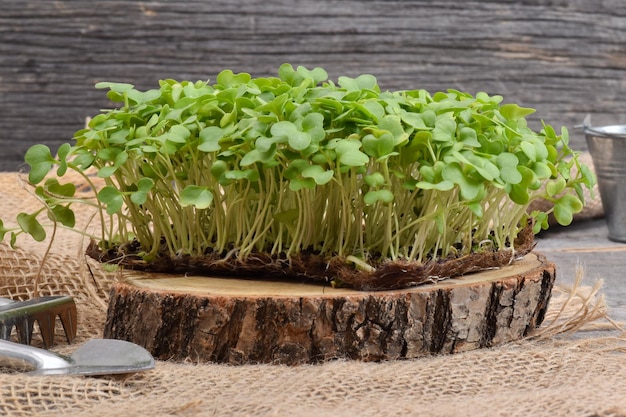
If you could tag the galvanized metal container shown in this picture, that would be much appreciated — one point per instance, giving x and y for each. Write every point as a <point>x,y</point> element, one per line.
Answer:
<point>607,146</point>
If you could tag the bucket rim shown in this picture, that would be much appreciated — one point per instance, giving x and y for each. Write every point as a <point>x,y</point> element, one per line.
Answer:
<point>607,131</point>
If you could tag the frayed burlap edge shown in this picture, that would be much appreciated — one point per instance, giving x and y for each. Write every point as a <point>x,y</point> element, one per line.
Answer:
<point>576,308</point>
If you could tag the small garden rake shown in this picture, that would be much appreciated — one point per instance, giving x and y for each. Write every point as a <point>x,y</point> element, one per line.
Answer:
<point>44,310</point>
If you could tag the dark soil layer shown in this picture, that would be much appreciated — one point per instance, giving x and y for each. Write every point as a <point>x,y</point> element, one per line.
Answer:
<point>308,266</point>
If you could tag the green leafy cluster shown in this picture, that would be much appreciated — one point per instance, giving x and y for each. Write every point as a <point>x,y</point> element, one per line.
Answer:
<point>298,162</point>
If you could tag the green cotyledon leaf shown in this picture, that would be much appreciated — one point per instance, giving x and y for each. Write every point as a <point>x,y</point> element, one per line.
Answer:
<point>197,196</point>
<point>349,153</point>
<point>63,215</point>
<point>40,161</point>
<point>565,208</point>
<point>112,198</point>
<point>320,175</point>
<point>469,187</point>
<point>373,196</point>
<point>29,224</point>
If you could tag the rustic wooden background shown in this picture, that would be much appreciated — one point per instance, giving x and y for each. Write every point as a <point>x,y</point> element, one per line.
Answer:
<point>565,58</point>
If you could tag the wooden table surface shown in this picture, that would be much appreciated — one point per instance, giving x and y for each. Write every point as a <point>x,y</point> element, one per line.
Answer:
<point>585,243</point>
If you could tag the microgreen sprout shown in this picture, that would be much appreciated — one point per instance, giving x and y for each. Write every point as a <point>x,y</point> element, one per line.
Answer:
<point>299,163</point>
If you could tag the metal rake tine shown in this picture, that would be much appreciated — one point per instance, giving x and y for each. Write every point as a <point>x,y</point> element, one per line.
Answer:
<point>5,330</point>
<point>21,326</point>
<point>46,327</point>
<point>24,331</point>
<point>65,309</point>
<point>68,316</point>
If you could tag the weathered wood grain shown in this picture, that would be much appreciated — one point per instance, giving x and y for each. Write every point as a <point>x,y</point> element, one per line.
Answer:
<point>565,58</point>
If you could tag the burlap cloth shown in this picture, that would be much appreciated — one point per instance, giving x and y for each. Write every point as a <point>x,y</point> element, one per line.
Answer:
<point>562,370</point>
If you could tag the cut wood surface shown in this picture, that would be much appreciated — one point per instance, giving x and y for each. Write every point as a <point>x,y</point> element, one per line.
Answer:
<point>565,58</point>
<point>248,321</point>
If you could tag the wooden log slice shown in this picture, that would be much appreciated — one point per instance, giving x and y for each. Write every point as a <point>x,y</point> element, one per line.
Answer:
<point>240,321</point>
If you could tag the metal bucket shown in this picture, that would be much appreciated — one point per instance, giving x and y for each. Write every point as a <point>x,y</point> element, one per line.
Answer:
<point>607,146</point>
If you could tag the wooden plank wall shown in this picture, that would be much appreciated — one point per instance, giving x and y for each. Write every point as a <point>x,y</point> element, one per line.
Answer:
<point>565,58</point>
